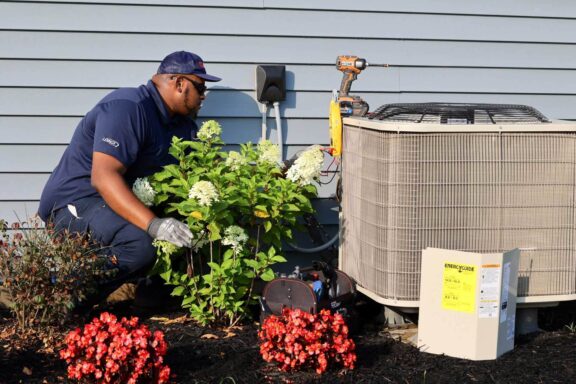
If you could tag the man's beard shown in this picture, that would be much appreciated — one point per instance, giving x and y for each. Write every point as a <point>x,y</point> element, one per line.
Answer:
<point>194,112</point>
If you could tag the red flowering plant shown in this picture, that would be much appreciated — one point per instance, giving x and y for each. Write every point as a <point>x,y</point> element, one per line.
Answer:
<point>297,340</point>
<point>112,351</point>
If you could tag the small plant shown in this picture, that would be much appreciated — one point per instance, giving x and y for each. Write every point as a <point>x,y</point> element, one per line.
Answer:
<point>110,351</point>
<point>297,340</point>
<point>240,206</point>
<point>46,273</point>
<point>571,327</point>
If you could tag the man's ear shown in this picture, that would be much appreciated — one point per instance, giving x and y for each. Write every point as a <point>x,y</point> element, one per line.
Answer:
<point>179,85</point>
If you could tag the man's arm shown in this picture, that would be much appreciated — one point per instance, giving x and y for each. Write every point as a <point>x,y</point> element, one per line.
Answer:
<point>108,180</point>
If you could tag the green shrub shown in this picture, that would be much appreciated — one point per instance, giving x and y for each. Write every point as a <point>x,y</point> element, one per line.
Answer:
<point>240,206</point>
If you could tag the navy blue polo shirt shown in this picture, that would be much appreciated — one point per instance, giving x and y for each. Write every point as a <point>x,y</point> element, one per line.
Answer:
<point>130,124</point>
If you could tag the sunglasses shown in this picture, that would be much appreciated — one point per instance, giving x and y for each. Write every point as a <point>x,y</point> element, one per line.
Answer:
<point>200,88</point>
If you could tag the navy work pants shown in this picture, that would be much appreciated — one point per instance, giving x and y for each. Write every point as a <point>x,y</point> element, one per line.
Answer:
<point>131,246</point>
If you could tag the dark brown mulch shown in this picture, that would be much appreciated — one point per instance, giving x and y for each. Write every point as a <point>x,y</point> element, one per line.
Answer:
<point>202,355</point>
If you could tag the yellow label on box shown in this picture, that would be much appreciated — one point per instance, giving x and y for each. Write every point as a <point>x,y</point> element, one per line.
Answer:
<point>459,287</point>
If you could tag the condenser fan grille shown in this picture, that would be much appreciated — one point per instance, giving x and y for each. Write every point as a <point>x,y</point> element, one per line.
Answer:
<point>456,113</point>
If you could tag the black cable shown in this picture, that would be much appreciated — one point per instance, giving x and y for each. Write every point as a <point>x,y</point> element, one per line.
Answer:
<point>332,178</point>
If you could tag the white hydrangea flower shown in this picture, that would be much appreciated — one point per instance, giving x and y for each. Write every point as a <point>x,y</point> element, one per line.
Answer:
<point>307,166</point>
<point>209,130</point>
<point>235,237</point>
<point>205,192</point>
<point>268,152</point>
<point>235,160</point>
<point>144,191</point>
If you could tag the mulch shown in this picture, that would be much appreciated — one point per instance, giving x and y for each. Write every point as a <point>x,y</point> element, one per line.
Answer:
<point>229,356</point>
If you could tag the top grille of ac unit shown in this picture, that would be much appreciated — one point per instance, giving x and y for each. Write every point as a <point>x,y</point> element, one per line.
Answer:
<point>479,188</point>
<point>456,113</point>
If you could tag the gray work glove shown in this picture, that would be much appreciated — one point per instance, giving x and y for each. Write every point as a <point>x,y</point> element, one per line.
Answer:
<point>171,230</point>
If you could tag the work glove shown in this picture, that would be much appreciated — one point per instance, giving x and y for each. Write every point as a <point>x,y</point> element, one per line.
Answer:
<point>171,230</point>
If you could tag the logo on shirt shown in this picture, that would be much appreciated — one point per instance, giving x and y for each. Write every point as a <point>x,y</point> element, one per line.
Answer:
<point>110,141</point>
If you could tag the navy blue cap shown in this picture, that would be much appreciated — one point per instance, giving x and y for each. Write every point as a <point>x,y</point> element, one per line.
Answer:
<point>185,63</point>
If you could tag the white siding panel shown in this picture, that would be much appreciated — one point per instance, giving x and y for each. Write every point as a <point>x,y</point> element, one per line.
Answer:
<point>35,129</point>
<point>48,102</point>
<point>553,8</point>
<point>228,103</point>
<point>112,18</point>
<point>22,186</point>
<point>473,80</point>
<point>188,3</point>
<point>78,74</point>
<point>538,8</point>
<point>59,130</point>
<point>122,46</point>
<point>30,158</point>
<point>88,74</point>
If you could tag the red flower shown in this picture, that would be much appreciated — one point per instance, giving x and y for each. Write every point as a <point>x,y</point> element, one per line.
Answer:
<point>107,350</point>
<point>298,340</point>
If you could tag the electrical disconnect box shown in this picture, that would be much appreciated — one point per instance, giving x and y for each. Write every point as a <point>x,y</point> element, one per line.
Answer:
<point>467,303</point>
<point>270,83</point>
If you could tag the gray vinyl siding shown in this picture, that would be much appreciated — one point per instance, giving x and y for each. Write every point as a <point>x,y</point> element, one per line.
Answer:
<point>58,58</point>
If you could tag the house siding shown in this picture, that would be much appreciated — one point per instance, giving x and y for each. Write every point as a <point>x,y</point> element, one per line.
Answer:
<point>58,58</point>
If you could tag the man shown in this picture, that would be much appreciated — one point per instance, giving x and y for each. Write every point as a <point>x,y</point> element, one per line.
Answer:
<point>124,137</point>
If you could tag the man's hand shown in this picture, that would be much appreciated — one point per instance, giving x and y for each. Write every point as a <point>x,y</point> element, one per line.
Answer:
<point>171,230</point>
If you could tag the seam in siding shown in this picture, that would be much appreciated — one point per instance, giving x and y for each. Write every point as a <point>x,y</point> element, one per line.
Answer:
<point>307,37</point>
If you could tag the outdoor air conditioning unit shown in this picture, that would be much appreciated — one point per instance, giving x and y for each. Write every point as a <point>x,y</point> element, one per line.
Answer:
<point>469,177</point>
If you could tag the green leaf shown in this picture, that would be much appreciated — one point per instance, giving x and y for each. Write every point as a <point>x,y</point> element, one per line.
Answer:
<point>252,263</point>
<point>207,278</point>
<point>178,291</point>
<point>215,267</point>
<point>261,208</point>
<point>227,264</point>
<point>278,259</point>
<point>267,226</point>
<point>162,175</point>
<point>291,208</point>
<point>214,231</point>
<point>268,275</point>
<point>205,291</point>
<point>301,198</point>
<point>188,300</point>
<point>166,275</point>
<point>228,254</point>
